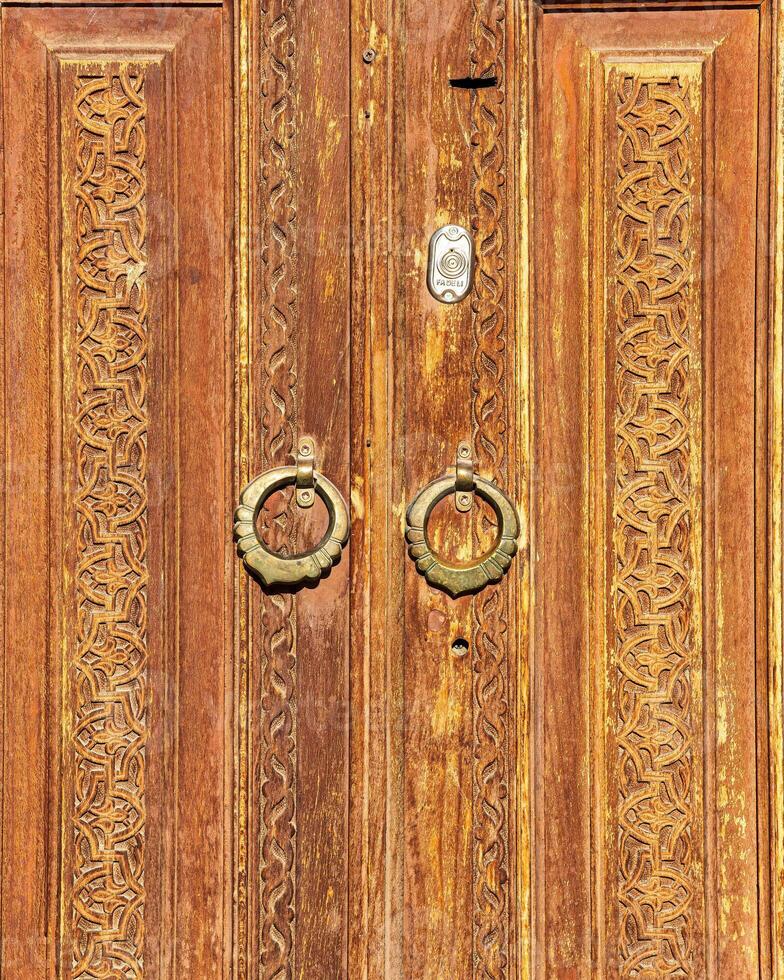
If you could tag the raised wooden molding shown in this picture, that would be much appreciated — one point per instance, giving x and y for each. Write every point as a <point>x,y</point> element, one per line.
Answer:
<point>775,529</point>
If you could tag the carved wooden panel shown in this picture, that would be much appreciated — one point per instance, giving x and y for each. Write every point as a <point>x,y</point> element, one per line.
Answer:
<point>299,385</point>
<point>352,393</point>
<point>109,672</point>
<point>451,372</point>
<point>119,370</point>
<point>650,438</point>
<point>654,314</point>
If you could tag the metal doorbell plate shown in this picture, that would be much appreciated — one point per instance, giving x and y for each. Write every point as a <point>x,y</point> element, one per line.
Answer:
<point>450,265</point>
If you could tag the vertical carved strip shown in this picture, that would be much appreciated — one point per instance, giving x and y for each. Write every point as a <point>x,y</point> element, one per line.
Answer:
<point>109,666</point>
<point>490,849</point>
<point>278,312</point>
<point>655,321</point>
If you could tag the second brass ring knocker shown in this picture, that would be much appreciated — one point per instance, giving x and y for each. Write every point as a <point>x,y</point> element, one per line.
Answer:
<point>457,580</point>
<point>280,570</point>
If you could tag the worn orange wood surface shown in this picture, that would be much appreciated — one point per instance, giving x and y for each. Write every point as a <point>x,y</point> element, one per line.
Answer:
<point>119,462</point>
<point>215,223</point>
<point>689,678</point>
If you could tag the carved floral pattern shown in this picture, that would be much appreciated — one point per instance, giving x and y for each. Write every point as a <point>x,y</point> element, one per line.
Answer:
<point>278,312</point>
<point>656,435</point>
<point>490,818</point>
<point>109,667</point>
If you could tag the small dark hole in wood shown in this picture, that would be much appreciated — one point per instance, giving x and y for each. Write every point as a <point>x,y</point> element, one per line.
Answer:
<point>487,81</point>
<point>460,647</point>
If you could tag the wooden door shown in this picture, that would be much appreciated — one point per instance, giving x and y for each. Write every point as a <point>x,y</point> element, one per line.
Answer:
<point>215,223</point>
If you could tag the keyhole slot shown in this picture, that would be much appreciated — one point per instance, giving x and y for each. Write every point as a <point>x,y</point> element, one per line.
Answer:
<point>460,647</point>
<point>486,81</point>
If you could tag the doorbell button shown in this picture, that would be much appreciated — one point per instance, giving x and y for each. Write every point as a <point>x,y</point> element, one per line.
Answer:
<point>450,264</point>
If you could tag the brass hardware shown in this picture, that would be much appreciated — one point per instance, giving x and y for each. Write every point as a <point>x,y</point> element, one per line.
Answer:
<point>450,265</point>
<point>264,565</point>
<point>306,451</point>
<point>464,478</point>
<point>457,580</point>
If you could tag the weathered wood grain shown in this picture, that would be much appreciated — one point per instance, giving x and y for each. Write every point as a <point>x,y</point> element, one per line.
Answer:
<point>580,771</point>
<point>588,255</point>
<point>127,434</point>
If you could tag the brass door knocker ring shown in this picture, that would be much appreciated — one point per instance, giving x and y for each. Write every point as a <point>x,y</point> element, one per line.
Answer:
<point>272,569</point>
<point>457,580</point>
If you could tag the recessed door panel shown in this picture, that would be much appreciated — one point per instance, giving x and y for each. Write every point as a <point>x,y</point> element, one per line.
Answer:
<point>118,449</point>
<point>650,363</point>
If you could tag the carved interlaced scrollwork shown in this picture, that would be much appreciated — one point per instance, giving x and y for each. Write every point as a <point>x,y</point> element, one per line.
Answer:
<point>490,408</point>
<point>109,668</point>
<point>278,315</point>
<point>654,514</point>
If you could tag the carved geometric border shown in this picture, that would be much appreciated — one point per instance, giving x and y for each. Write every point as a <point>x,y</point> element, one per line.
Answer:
<point>104,134</point>
<point>654,324</point>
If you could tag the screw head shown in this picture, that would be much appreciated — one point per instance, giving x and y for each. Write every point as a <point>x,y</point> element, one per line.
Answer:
<point>368,55</point>
<point>464,450</point>
<point>305,494</point>
<point>464,499</point>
